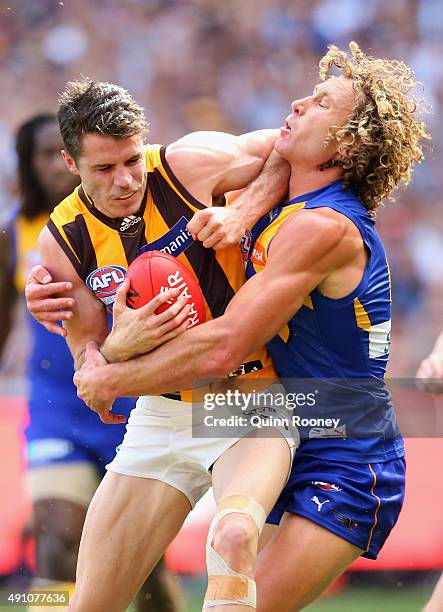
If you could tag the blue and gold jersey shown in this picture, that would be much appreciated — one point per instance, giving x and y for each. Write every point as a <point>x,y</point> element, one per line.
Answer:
<point>49,356</point>
<point>341,344</point>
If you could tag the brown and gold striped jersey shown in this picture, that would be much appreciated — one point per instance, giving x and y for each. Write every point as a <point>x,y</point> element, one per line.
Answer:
<point>101,248</point>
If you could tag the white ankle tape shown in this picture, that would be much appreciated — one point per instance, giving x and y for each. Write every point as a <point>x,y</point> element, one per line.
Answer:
<point>225,586</point>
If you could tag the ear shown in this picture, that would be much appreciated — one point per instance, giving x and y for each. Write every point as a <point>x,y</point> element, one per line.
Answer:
<point>70,163</point>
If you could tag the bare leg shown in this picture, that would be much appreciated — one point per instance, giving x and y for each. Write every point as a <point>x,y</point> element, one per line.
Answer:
<point>298,563</point>
<point>257,468</point>
<point>129,524</point>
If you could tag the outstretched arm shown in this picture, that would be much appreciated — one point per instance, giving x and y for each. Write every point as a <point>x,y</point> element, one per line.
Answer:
<point>219,228</point>
<point>212,163</point>
<point>257,312</point>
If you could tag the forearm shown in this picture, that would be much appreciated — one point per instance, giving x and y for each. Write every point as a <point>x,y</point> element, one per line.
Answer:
<point>265,192</point>
<point>196,355</point>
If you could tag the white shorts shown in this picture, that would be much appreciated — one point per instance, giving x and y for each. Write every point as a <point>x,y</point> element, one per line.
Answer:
<point>159,444</point>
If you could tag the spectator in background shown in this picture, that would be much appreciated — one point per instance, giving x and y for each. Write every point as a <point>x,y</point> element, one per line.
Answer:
<point>430,371</point>
<point>430,378</point>
<point>68,446</point>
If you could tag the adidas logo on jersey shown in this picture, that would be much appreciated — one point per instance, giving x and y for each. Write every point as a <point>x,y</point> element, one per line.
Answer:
<point>129,222</point>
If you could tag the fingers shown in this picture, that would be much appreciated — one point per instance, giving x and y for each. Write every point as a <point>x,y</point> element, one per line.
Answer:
<point>162,298</point>
<point>216,228</point>
<point>121,295</point>
<point>213,227</point>
<point>91,347</point>
<point>175,332</point>
<point>110,418</point>
<point>213,241</point>
<point>198,222</point>
<point>59,308</point>
<point>178,320</point>
<point>54,328</point>
<point>170,312</point>
<point>40,274</point>
<point>93,356</point>
<point>35,291</point>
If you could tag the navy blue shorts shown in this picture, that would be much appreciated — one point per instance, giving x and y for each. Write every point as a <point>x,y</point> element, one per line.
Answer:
<point>360,502</point>
<point>63,430</point>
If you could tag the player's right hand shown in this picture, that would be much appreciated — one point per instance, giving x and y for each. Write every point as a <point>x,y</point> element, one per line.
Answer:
<point>90,381</point>
<point>430,374</point>
<point>43,303</point>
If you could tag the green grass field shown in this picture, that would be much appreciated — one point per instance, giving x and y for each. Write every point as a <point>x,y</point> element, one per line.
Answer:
<point>352,599</point>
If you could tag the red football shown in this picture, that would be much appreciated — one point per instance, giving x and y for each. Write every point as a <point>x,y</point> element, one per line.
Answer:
<point>153,272</point>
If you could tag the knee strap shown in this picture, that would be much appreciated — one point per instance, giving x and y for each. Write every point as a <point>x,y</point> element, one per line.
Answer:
<point>226,586</point>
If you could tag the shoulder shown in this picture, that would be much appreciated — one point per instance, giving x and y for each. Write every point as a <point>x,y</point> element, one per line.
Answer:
<point>67,210</point>
<point>315,233</point>
<point>317,223</point>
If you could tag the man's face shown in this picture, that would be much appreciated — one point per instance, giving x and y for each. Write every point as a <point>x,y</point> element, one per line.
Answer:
<point>48,165</point>
<point>302,140</point>
<point>112,171</point>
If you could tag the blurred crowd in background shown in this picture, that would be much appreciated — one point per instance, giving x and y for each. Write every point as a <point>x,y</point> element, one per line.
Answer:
<point>235,65</point>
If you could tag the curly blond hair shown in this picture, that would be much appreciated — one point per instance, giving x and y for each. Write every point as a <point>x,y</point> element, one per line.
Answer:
<point>383,137</point>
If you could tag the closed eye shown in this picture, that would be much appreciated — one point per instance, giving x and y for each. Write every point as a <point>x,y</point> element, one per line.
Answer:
<point>133,160</point>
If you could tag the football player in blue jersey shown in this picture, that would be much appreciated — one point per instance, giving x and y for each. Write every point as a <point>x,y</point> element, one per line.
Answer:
<point>319,294</point>
<point>67,449</point>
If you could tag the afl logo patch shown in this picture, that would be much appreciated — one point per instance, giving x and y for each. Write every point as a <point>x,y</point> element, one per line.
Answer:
<point>105,281</point>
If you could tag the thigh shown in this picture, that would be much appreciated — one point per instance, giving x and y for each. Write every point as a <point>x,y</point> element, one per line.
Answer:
<point>130,522</point>
<point>255,466</point>
<point>298,563</point>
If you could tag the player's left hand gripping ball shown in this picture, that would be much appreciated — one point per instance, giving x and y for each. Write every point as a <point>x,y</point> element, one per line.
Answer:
<point>153,273</point>
<point>158,300</point>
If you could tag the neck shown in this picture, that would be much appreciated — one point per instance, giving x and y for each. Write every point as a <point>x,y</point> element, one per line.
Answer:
<point>311,180</point>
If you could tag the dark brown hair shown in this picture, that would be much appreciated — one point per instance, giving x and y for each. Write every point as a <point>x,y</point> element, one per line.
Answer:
<point>34,197</point>
<point>88,107</point>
